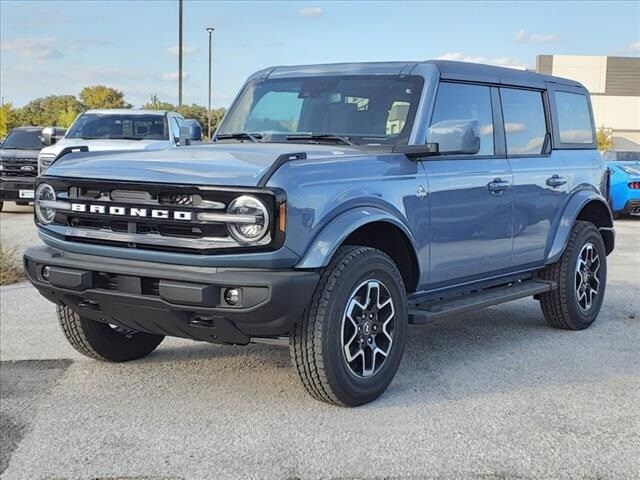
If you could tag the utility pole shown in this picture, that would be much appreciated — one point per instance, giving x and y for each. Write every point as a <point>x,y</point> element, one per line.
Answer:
<point>210,30</point>
<point>179,53</point>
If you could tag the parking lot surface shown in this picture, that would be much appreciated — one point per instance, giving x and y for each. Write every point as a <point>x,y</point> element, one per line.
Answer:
<point>491,395</point>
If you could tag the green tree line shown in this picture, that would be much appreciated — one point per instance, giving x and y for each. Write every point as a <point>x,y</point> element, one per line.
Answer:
<point>61,110</point>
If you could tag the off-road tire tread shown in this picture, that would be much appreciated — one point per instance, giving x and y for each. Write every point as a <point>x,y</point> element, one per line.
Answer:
<point>554,304</point>
<point>71,325</point>
<point>306,339</point>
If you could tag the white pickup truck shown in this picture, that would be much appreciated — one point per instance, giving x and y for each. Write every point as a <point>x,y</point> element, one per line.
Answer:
<point>116,129</point>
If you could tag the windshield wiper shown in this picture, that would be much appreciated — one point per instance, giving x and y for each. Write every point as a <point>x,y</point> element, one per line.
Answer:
<point>322,136</point>
<point>254,137</point>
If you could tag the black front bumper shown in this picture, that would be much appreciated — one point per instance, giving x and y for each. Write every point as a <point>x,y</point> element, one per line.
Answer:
<point>10,189</point>
<point>173,300</point>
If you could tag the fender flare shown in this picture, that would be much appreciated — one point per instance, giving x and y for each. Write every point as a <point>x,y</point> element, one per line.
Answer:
<point>334,233</point>
<point>573,208</point>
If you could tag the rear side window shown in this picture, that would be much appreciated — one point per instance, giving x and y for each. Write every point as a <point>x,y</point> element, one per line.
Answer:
<point>574,118</point>
<point>462,116</point>
<point>525,126</point>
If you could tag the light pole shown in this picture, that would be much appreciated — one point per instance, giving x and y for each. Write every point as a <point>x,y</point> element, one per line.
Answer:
<point>179,53</point>
<point>210,30</point>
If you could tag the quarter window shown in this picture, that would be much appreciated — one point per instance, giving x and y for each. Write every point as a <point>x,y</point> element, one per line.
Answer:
<point>525,126</point>
<point>462,121</point>
<point>574,118</point>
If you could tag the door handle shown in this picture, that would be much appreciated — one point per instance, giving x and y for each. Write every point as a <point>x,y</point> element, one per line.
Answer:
<point>556,181</point>
<point>497,186</point>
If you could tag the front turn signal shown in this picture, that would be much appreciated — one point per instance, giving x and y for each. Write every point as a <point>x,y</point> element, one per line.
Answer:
<point>282,217</point>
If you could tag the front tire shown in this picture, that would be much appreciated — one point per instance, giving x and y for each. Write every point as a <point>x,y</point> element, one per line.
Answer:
<point>348,345</point>
<point>102,341</point>
<point>581,275</point>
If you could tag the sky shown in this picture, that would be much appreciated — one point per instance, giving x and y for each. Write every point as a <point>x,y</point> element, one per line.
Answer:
<point>58,47</point>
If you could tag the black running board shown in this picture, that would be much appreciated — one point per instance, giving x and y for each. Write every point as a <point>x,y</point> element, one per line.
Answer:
<point>427,312</point>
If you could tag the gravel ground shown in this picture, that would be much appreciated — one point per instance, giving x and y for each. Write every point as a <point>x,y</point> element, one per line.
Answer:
<point>493,395</point>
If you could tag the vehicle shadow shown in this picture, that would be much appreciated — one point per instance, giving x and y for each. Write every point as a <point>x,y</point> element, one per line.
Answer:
<point>496,350</point>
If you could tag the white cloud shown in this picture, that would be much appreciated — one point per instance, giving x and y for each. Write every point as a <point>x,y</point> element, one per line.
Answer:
<point>172,76</point>
<point>32,48</point>
<point>500,61</point>
<point>311,12</point>
<point>514,127</point>
<point>634,47</point>
<point>186,50</point>
<point>523,37</point>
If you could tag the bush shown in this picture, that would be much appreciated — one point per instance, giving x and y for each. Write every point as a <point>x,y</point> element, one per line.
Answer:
<point>10,265</point>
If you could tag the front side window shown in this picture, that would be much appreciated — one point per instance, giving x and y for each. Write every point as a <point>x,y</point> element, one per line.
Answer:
<point>92,126</point>
<point>525,126</point>
<point>574,118</point>
<point>23,139</point>
<point>365,109</point>
<point>462,121</point>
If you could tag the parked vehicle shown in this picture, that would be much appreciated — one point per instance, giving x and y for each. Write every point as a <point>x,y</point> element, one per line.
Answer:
<point>115,129</point>
<point>624,168</point>
<point>339,204</point>
<point>19,164</point>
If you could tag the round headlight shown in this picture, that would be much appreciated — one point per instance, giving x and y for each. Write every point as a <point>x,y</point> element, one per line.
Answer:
<point>249,231</point>
<point>44,193</point>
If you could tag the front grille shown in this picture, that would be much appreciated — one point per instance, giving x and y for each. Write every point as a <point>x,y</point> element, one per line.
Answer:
<point>18,167</point>
<point>154,217</point>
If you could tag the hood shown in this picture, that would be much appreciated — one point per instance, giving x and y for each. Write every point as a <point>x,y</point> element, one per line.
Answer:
<point>107,145</point>
<point>238,164</point>
<point>19,154</point>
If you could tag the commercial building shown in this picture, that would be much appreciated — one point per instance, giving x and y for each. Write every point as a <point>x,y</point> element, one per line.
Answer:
<point>614,84</point>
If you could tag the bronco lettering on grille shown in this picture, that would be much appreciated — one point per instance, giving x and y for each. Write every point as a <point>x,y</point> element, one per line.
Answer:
<point>131,211</point>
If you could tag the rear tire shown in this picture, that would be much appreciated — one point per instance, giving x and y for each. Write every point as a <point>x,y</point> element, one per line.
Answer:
<point>101,341</point>
<point>581,275</point>
<point>348,345</point>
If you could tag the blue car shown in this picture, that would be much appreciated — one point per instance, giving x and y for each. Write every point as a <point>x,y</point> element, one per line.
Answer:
<point>336,205</point>
<point>625,181</point>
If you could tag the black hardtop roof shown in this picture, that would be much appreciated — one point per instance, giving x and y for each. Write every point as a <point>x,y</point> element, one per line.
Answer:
<point>492,74</point>
<point>448,70</point>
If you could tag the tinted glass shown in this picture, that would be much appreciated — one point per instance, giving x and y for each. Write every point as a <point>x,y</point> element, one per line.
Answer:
<point>524,122</point>
<point>574,118</point>
<point>23,140</point>
<point>366,109</point>
<point>113,126</point>
<point>462,117</point>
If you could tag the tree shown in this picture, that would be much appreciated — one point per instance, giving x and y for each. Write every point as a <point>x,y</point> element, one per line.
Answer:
<point>9,118</point>
<point>605,139</point>
<point>66,117</point>
<point>48,111</point>
<point>155,104</point>
<point>99,96</point>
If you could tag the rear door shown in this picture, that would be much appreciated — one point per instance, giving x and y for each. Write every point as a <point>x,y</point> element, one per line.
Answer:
<point>470,195</point>
<point>540,184</point>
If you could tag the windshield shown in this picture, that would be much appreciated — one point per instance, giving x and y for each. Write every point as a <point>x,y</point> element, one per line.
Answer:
<point>119,126</point>
<point>363,109</point>
<point>23,139</point>
<point>622,156</point>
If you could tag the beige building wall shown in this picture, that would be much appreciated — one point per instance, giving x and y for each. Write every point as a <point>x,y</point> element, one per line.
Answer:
<point>614,84</point>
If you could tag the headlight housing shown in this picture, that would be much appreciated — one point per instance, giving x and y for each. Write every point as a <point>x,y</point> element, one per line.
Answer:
<point>253,217</point>
<point>45,195</point>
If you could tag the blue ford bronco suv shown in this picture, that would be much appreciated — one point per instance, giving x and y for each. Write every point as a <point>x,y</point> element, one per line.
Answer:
<point>337,205</point>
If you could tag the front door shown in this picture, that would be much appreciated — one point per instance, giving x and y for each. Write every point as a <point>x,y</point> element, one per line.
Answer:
<point>470,193</point>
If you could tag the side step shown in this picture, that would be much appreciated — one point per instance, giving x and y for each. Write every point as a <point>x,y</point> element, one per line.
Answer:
<point>427,312</point>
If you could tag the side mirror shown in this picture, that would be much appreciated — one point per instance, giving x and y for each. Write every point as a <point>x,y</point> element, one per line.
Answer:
<point>190,131</point>
<point>51,135</point>
<point>456,136</point>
